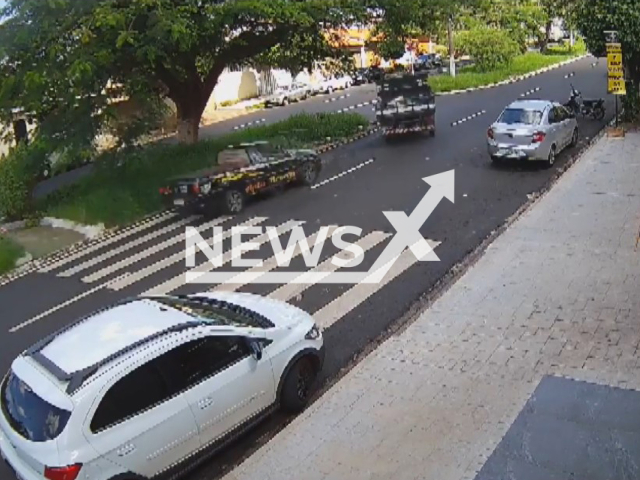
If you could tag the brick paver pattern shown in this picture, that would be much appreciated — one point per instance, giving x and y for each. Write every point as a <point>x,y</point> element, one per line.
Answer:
<point>558,293</point>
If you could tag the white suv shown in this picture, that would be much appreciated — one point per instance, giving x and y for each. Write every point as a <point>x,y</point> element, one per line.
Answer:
<point>151,386</point>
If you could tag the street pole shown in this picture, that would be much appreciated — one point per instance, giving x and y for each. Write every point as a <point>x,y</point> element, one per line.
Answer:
<point>452,60</point>
<point>616,111</point>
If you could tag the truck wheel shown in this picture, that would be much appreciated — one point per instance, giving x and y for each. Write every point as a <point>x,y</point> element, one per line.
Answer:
<point>308,174</point>
<point>233,202</point>
<point>432,133</point>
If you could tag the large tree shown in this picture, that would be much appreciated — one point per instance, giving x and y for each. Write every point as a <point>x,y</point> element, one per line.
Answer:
<point>58,58</point>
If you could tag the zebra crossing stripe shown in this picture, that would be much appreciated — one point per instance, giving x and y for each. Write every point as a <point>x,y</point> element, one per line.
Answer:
<point>107,241</point>
<point>356,295</point>
<point>293,289</point>
<point>123,248</point>
<point>114,267</point>
<point>179,280</point>
<point>267,265</point>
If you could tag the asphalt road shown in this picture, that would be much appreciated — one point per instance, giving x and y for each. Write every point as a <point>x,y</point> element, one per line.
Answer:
<point>388,178</point>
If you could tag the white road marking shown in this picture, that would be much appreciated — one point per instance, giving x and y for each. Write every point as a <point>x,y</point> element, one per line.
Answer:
<point>123,248</point>
<point>291,290</point>
<point>529,92</point>
<point>249,124</point>
<point>60,306</point>
<point>269,264</point>
<point>569,75</point>
<point>466,119</point>
<point>107,241</point>
<point>356,295</point>
<point>124,263</point>
<point>179,280</point>
<point>342,174</point>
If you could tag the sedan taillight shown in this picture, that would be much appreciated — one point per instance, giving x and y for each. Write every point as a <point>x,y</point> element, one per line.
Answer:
<point>69,472</point>
<point>196,188</point>
<point>490,133</point>
<point>538,137</point>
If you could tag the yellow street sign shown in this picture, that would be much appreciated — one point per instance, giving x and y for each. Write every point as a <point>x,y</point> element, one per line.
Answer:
<point>614,59</point>
<point>614,48</point>
<point>616,72</point>
<point>617,86</point>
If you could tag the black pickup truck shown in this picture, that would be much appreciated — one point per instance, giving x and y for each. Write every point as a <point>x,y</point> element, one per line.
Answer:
<point>406,104</point>
<point>242,171</point>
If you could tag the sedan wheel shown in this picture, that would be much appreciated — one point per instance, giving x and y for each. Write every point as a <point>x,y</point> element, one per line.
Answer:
<point>574,138</point>
<point>552,157</point>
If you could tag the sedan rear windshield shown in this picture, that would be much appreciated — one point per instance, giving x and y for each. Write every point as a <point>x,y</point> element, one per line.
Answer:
<point>29,415</point>
<point>521,116</point>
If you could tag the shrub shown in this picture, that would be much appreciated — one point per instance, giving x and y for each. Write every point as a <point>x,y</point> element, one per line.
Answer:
<point>489,48</point>
<point>14,185</point>
<point>631,104</point>
<point>442,50</point>
<point>10,253</point>
<point>20,170</point>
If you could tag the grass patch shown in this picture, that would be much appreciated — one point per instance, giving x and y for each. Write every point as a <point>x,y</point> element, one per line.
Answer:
<point>10,252</point>
<point>124,187</point>
<point>470,77</point>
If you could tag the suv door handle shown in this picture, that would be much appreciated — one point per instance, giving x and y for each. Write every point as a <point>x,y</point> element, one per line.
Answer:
<point>205,403</point>
<point>126,450</point>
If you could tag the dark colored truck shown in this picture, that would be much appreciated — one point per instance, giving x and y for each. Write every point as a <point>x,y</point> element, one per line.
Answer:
<point>406,104</point>
<point>242,172</point>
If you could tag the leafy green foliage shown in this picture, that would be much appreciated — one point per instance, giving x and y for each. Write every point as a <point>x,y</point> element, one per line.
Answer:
<point>472,77</point>
<point>18,173</point>
<point>490,48</point>
<point>65,61</point>
<point>10,253</point>
<point>125,185</point>
<point>593,17</point>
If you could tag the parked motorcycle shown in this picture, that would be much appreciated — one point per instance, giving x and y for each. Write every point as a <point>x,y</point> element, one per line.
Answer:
<point>593,108</point>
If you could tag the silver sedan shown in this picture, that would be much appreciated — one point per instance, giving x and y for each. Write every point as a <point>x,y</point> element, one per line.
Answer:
<point>532,130</point>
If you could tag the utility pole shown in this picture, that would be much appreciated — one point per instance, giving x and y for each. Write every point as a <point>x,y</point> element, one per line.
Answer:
<point>452,60</point>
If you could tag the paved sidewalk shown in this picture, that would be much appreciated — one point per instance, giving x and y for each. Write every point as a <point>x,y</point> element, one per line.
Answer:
<point>557,294</point>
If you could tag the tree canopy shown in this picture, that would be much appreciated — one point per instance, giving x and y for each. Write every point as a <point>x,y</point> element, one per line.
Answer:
<point>60,56</point>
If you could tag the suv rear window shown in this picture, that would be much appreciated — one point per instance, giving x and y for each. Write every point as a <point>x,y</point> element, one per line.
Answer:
<point>512,116</point>
<point>29,415</point>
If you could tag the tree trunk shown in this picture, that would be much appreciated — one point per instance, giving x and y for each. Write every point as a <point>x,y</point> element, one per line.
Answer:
<point>547,36</point>
<point>452,57</point>
<point>189,113</point>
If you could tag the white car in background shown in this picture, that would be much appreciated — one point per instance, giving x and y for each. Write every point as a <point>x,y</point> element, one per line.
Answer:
<point>151,386</point>
<point>334,83</point>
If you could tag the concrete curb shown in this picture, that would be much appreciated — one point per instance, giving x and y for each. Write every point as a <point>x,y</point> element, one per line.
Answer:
<point>517,78</point>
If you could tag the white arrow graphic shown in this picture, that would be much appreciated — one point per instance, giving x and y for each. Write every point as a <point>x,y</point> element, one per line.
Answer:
<point>408,228</point>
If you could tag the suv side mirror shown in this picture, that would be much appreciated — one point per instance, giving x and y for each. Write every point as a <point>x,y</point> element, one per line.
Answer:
<point>256,349</point>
